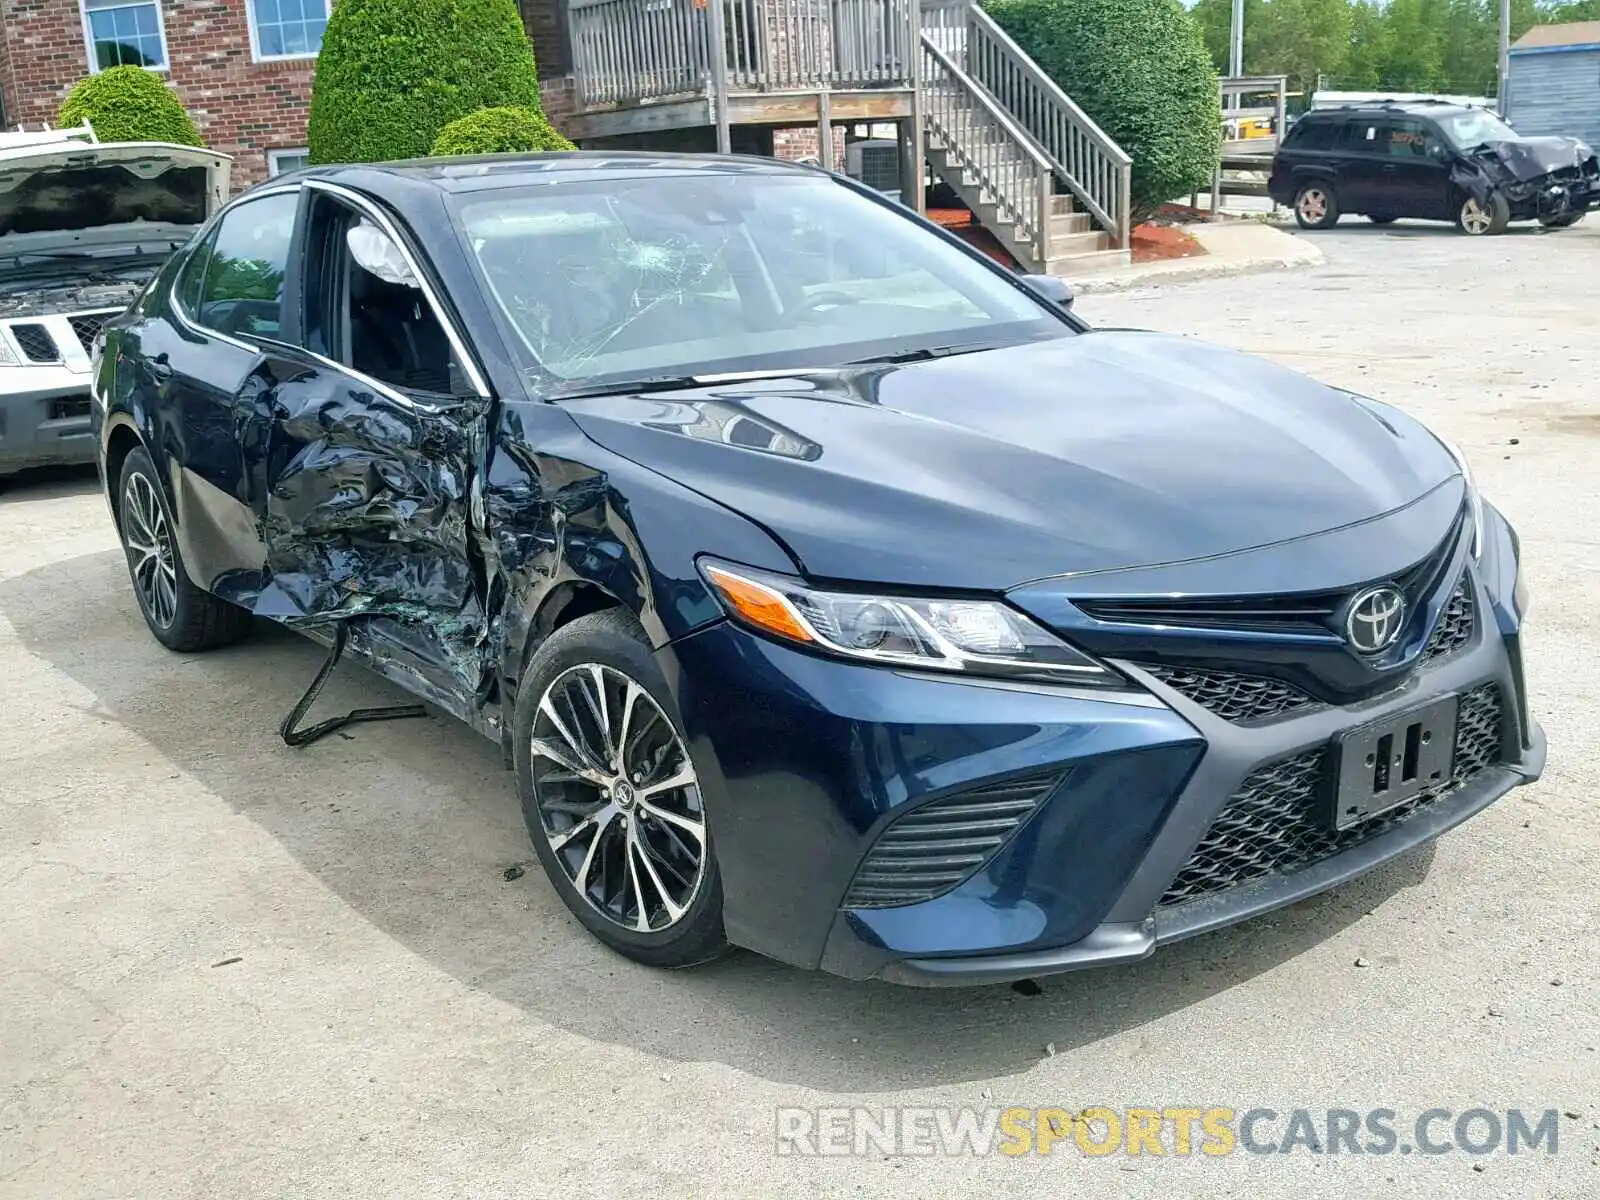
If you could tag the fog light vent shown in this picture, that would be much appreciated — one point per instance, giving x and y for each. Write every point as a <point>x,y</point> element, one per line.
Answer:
<point>937,846</point>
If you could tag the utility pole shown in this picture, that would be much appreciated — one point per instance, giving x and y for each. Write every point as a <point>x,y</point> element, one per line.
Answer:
<point>1236,41</point>
<point>1501,94</point>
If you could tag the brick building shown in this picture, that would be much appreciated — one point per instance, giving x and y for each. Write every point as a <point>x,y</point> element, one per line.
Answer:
<point>242,68</point>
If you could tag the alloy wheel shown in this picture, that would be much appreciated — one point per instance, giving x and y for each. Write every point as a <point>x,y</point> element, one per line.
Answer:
<point>148,543</point>
<point>1475,219</point>
<point>618,798</point>
<point>1313,205</point>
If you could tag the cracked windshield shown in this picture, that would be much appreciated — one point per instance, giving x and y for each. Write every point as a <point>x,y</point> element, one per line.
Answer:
<point>685,275</point>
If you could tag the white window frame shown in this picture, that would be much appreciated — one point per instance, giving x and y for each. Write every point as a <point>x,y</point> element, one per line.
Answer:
<point>255,37</point>
<point>275,156</point>
<point>161,28</point>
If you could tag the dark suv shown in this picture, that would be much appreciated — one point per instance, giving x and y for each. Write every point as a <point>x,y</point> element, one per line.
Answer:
<point>1431,160</point>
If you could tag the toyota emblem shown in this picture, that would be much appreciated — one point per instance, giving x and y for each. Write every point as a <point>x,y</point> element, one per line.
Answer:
<point>1375,619</point>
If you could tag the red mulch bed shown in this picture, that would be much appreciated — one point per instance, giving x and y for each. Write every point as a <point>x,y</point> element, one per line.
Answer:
<point>1157,243</point>
<point>1152,242</point>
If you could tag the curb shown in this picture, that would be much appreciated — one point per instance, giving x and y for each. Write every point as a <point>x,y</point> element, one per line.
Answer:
<point>1183,270</point>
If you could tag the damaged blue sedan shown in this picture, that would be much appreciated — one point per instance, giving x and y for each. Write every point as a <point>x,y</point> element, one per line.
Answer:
<point>831,591</point>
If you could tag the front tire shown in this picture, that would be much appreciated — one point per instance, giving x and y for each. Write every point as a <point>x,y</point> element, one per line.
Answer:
<point>182,616</point>
<point>1483,219</point>
<point>1316,206</point>
<point>611,798</point>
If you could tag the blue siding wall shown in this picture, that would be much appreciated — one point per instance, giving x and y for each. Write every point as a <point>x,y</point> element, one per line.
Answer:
<point>1556,93</point>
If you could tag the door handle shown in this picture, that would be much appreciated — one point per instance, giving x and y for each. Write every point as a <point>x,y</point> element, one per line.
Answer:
<point>1390,168</point>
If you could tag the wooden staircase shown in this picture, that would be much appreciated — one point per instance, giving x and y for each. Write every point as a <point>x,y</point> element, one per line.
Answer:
<point>1028,162</point>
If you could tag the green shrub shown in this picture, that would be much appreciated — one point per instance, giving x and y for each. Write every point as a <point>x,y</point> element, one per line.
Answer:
<point>499,131</point>
<point>393,73</point>
<point>1139,68</point>
<point>129,104</point>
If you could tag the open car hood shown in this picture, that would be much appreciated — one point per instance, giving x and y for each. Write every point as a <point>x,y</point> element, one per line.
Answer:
<point>67,192</point>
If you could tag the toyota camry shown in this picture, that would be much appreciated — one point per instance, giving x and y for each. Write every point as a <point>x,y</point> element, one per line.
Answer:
<point>832,591</point>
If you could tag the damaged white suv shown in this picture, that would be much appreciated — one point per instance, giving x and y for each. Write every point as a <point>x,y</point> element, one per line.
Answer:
<point>84,225</point>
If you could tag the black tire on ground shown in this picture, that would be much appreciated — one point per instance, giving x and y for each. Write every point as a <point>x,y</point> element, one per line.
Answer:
<point>1483,220</point>
<point>610,645</point>
<point>180,615</point>
<point>1564,221</point>
<point>1316,206</point>
<point>1382,220</point>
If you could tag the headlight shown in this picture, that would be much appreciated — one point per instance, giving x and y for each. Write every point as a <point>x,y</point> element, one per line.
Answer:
<point>8,356</point>
<point>982,637</point>
<point>1474,501</point>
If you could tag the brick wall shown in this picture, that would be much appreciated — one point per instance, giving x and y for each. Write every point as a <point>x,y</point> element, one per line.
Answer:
<point>243,108</point>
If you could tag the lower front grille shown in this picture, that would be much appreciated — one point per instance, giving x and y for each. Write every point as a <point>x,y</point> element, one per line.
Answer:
<point>1234,697</point>
<point>1273,824</point>
<point>935,848</point>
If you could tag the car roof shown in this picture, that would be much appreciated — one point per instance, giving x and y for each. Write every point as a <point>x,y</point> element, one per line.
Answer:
<point>1406,108</point>
<point>470,173</point>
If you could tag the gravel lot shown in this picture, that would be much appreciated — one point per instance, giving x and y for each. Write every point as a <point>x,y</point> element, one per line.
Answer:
<point>232,969</point>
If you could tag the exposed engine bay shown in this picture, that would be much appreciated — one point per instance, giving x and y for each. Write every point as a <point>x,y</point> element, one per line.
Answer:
<point>35,296</point>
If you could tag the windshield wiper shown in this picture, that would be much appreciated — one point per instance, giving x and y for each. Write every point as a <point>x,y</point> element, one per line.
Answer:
<point>670,383</point>
<point>923,353</point>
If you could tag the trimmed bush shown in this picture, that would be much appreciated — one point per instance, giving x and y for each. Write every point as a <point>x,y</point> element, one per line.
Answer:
<point>393,73</point>
<point>129,104</point>
<point>1139,68</point>
<point>499,131</point>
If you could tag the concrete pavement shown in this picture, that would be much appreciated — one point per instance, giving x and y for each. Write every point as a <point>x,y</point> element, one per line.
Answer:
<point>232,969</point>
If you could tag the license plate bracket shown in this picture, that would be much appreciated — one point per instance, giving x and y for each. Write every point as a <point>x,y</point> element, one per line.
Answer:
<point>1386,763</point>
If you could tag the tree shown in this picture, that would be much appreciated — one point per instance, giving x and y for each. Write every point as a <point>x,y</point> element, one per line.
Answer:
<point>1300,39</point>
<point>393,73</point>
<point>129,104</point>
<point>499,131</point>
<point>1139,68</point>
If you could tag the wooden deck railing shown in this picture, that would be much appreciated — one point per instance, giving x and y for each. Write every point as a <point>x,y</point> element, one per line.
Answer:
<point>630,51</point>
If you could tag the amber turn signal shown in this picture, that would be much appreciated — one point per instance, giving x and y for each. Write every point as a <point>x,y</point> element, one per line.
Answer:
<point>758,605</point>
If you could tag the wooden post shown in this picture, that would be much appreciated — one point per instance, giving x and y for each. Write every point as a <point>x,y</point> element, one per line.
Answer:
<point>825,132</point>
<point>717,52</point>
<point>918,199</point>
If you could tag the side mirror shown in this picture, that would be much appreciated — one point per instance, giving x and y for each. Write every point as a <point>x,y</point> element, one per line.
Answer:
<point>376,253</point>
<point>1052,289</point>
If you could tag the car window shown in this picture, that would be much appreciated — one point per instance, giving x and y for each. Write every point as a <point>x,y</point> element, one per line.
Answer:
<point>243,265</point>
<point>1474,127</point>
<point>384,329</point>
<point>692,273</point>
<point>1314,135</point>
<point>1409,139</point>
<point>194,275</point>
<point>1368,137</point>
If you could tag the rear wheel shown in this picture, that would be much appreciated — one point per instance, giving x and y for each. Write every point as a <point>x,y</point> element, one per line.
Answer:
<point>1483,218</point>
<point>180,615</point>
<point>611,798</point>
<point>1316,207</point>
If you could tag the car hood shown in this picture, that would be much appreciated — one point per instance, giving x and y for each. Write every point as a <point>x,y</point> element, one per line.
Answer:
<point>64,193</point>
<point>1106,450</point>
<point>1529,158</point>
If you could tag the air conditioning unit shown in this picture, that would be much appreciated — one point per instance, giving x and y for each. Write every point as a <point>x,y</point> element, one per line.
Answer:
<point>876,163</point>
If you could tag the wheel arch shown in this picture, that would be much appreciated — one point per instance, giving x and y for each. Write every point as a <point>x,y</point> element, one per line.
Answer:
<point>122,438</point>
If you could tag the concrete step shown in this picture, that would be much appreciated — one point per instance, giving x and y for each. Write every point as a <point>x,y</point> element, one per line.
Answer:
<point>1084,266</point>
<point>1065,245</point>
<point>1076,222</point>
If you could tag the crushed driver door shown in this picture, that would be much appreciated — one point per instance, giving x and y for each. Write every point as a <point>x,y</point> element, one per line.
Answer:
<point>373,447</point>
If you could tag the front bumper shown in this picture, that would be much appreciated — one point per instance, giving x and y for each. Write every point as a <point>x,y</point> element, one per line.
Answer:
<point>44,417</point>
<point>806,762</point>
